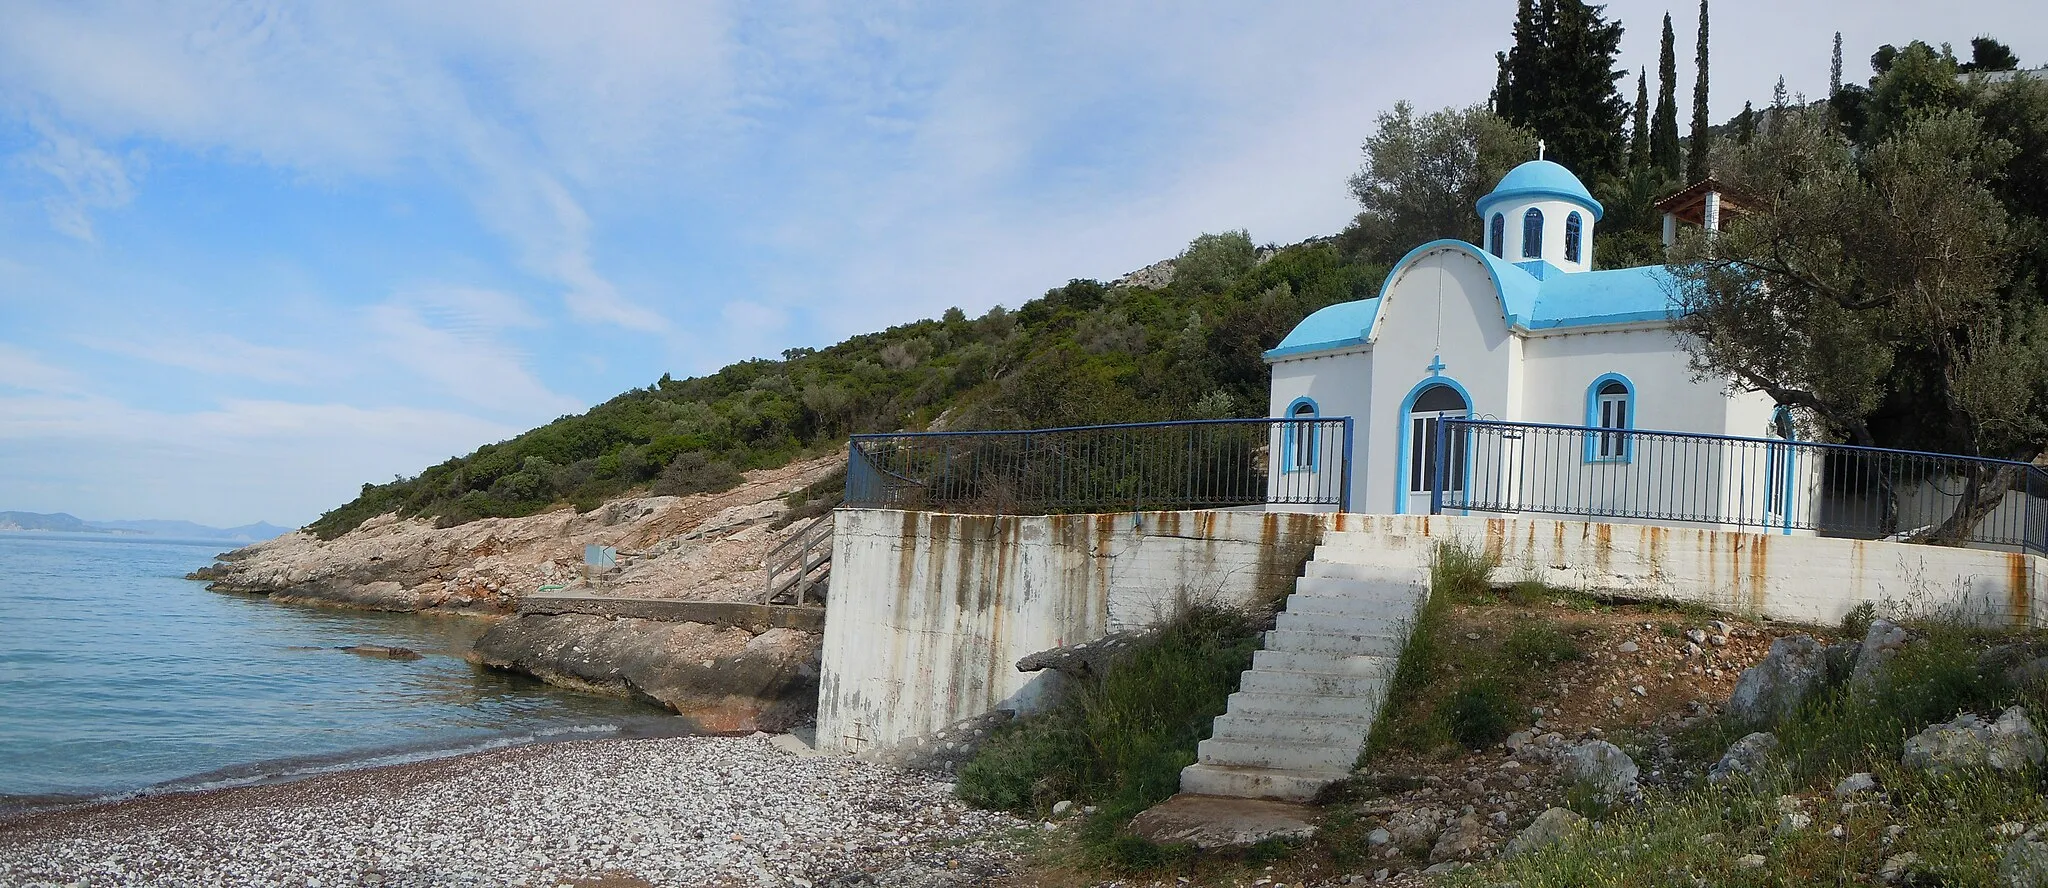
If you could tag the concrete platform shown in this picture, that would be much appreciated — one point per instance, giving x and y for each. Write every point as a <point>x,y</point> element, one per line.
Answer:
<point>1214,823</point>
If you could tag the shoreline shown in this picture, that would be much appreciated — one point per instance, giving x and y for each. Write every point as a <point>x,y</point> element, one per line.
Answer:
<point>292,769</point>
<point>693,810</point>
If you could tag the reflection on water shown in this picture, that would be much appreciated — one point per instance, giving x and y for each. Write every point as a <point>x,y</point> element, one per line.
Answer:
<point>116,674</point>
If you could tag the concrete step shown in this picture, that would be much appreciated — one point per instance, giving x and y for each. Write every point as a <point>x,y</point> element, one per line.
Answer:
<point>1323,662</point>
<point>1394,570</point>
<point>1398,609</point>
<point>1256,783</point>
<point>1259,681</point>
<point>1366,644</point>
<point>1278,754</point>
<point>1394,624</point>
<point>1364,541</point>
<point>1293,705</point>
<point>1322,730</point>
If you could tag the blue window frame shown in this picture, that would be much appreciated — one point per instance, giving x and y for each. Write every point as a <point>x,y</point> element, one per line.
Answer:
<point>1532,234</point>
<point>1300,442</point>
<point>1572,232</point>
<point>1611,408</point>
<point>1498,236</point>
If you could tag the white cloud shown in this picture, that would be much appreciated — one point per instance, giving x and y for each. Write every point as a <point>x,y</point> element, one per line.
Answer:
<point>465,363</point>
<point>24,371</point>
<point>218,354</point>
<point>87,177</point>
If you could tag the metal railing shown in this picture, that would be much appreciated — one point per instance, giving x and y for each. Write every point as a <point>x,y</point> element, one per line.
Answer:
<point>1767,483</point>
<point>1196,464</point>
<point>799,563</point>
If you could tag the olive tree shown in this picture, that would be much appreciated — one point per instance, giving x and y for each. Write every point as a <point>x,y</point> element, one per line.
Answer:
<point>1863,277</point>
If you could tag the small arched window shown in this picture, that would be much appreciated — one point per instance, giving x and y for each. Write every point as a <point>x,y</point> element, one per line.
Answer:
<point>1532,234</point>
<point>1302,438</point>
<point>1572,226</point>
<point>1610,409</point>
<point>1497,236</point>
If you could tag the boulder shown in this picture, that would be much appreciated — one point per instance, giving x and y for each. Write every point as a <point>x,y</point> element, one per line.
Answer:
<point>1549,828</point>
<point>1969,742</point>
<point>1773,688</point>
<point>383,652</point>
<point>1880,644</point>
<point>1608,771</point>
<point>2019,664</point>
<point>1214,823</point>
<point>1416,830</point>
<point>1462,841</point>
<point>1744,758</point>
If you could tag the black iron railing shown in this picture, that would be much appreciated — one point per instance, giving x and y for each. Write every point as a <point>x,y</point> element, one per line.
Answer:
<point>1197,464</point>
<point>1766,483</point>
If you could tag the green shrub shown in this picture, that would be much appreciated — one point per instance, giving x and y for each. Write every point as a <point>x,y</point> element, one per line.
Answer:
<point>1856,623</point>
<point>1461,572</point>
<point>1480,713</point>
<point>693,472</point>
<point>1119,741</point>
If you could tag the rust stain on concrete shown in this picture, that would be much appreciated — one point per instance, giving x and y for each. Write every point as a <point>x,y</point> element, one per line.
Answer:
<point>906,556</point>
<point>1496,538</point>
<point>2017,600</point>
<point>1759,570</point>
<point>1603,548</point>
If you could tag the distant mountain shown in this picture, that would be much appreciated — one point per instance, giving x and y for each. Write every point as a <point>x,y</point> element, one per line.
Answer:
<point>261,530</point>
<point>60,522</point>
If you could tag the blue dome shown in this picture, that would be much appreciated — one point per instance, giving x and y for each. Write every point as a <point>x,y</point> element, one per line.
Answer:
<point>1541,179</point>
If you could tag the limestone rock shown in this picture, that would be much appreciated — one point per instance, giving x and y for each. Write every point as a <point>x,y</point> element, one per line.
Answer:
<point>1416,830</point>
<point>1086,659</point>
<point>1610,773</point>
<point>1750,861</point>
<point>724,679</point>
<point>1772,689</point>
<point>383,652</point>
<point>1856,784</point>
<point>1549,828</point>
<point>1462,841</point>
<point>1880,644</point>
<point>1898,867</point>
<point>2023,863</point>
<point>2019,664</point>
<point>2009,744</point>
<point>1744,758</point>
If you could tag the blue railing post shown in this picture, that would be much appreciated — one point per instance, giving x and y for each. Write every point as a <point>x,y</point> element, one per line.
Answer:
<point>1441,468</point>
<point>1344,490</point>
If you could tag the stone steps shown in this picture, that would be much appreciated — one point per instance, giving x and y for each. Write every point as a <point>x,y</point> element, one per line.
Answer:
<point>1302,713</point>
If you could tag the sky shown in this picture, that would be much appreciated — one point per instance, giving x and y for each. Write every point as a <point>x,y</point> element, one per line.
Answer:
<point>253,255</point>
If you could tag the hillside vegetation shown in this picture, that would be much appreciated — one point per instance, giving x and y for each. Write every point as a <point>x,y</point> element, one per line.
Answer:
<point>1081,354</point>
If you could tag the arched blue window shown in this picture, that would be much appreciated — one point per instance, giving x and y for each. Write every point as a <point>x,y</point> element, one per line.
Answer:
<point>1301,440</point>
<point>1532,234</point>
<point>1572,224</point>
<point>1611,409</point>
<point>1498,235</point>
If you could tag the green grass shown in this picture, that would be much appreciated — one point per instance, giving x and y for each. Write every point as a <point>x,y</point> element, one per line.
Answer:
<point>1119,742</point>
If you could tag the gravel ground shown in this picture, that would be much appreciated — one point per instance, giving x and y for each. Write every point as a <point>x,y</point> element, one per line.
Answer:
<point>683,811</point>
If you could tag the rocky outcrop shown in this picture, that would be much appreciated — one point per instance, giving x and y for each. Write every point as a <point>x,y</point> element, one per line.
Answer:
<point>2010,744</point>
<point>1796,667</point>
<point>1881,644</point>
<point>1549,828</point>
<point>706,547</point>
<point>1085,660</point>
<point>724,679</point>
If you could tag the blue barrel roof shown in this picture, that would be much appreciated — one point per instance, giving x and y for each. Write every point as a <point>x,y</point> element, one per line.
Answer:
<point>1542,178</point>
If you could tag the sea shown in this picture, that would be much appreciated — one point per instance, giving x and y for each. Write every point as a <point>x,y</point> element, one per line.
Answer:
<point>118,677</point>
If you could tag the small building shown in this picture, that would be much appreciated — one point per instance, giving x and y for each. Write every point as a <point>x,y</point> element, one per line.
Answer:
<point>1527,329</point>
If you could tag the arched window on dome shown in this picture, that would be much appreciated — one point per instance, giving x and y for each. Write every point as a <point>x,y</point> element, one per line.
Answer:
<point>1498,235</point>
<point>1532,234</point>
<point>1572,226</point>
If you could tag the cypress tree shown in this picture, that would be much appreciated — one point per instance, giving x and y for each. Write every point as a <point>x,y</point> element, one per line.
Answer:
<point>1639,137</point>
<point>1560,82</point>
<point>1664,124</point>
<point>1696,156</point>
<point>1835,68</point>
<point>1745,125</point>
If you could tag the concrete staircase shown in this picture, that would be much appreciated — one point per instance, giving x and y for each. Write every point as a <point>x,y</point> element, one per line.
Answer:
<point>1302,714</point>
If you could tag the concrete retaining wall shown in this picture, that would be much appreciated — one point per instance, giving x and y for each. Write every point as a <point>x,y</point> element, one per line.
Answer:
<point>929,613</point>
<point>1803,579</point>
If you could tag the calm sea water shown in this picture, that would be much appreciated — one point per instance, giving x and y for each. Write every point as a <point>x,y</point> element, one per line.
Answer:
<point>117,675</point>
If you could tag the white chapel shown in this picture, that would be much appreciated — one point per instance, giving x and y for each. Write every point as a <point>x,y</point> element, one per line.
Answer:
<point>1525,328</point>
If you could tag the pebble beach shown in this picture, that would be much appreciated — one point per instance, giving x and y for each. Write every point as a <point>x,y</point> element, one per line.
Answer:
<point>681,811</point>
